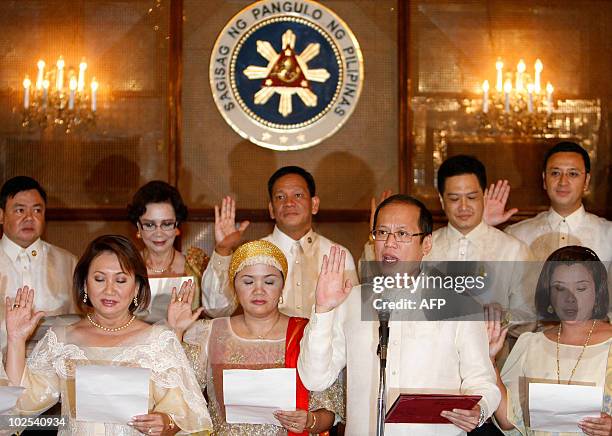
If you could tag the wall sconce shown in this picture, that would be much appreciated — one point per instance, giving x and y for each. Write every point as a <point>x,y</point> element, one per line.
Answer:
<point>59,98</point>
<point>516,104</point>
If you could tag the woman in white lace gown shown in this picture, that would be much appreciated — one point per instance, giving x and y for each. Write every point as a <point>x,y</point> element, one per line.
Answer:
<point>110,281</point>
<point>260,338</point>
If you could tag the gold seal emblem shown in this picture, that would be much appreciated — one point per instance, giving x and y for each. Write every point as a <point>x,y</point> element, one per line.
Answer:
<point>286,74</point>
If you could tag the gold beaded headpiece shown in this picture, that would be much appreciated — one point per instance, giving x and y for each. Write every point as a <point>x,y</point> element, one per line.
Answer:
<point>256,252</point>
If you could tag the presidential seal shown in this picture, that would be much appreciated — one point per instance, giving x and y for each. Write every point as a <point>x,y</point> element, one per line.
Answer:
<point>286,74</point>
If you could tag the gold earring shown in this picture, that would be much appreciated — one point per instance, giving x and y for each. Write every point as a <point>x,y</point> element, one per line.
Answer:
<point>280,300</point>
<point>85,296</point>
<point>138,235</point>
<point>136,300</point>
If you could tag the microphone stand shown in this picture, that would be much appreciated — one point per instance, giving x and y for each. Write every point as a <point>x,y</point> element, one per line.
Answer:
<point>381,403</point>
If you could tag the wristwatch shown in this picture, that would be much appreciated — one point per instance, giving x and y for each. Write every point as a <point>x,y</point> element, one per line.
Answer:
<point>482,418</point>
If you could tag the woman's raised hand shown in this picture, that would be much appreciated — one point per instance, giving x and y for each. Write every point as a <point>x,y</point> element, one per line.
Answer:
<point>21,320</point>
<point>227,237</point>
<point>180,316</point>
<point>495,332</point>
<point>332,289</point>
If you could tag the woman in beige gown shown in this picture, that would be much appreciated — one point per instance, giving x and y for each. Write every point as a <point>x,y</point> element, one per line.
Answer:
<point>572,292</point>
<point>110,281</point>
<point>259,338</point>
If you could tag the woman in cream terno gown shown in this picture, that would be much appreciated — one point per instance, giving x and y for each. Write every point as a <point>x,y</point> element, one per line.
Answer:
<point>110,281</point>
<point>572,293</point>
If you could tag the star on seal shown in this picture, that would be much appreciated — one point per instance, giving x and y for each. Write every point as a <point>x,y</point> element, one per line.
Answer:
<point>287,73</point>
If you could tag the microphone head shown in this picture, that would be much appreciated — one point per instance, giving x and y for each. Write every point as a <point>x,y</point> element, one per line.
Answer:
<point>384,314</point>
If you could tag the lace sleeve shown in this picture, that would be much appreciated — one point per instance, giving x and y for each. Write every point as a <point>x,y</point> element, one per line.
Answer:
<point>176,390</point>
<point>331,399</point>
<point>195,343</point>
<point>40,378</point>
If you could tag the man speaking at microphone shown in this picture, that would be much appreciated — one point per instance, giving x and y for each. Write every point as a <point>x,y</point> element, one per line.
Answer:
<point>429,356</point>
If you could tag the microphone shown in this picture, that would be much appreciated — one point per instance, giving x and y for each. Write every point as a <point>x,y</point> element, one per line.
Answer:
<point>384,315</point>
<point>383,333</point>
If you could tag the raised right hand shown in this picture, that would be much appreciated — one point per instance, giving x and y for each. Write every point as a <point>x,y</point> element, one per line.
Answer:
<point>495,199</point>
<point>332,289</point>
<point>180,316</point>
<point>227,237</point>
<point>495,332</point>
<point>21,321</point>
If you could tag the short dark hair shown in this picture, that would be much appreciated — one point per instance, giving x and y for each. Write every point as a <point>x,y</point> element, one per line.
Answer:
<point>156,191</point>
<point>425,218</point>
<point>130,260</point>
<point>292,169</point>
<point>569,147</point>
<point>19,184</point>
<point>571,255</point>
<point>459,165</point>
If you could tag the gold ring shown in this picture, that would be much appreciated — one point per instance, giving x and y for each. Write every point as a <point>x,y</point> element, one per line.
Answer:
<point>150,431</point>
<point>180,299</point>
<point>15,306</point>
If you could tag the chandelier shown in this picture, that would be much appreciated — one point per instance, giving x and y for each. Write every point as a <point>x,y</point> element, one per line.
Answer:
<point>518,104</point>
<point>51,103</point>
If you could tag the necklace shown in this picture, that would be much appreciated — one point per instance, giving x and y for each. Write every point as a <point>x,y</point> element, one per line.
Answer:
<point>267,333</point>
<point>107,329</point>
<point>162,270</point>
<point>586,343</point>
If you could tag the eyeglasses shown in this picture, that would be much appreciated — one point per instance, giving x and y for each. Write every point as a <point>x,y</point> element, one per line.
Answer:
<point>400,235</point>
<point>165,226</point>
<point>570,174</point>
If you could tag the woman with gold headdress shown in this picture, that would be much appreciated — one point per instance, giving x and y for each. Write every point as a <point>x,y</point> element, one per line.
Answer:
<point>259,338</point>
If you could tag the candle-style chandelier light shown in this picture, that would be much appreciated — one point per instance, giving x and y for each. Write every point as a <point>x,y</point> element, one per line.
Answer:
<point>519,106</point>
<point>59,98</point>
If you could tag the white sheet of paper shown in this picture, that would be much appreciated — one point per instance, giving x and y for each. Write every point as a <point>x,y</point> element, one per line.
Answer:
<point>559,408</point>
<point>8,397</point>
<point>161,291</point>
<point>111,394</point>
<point>251,396</point>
